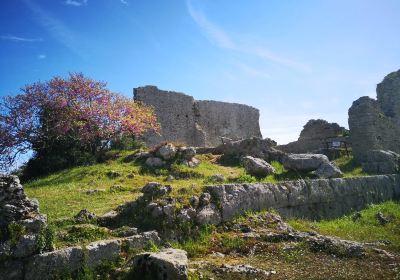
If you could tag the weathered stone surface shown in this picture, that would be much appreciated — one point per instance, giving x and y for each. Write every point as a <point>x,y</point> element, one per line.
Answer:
<point>12,270</point>
<point>155,189</point>
<point>218,178</point>
<point>381,162</point>
<point>187,153</point>
<point>154,162</point>
<point>167,151</point>
<point>208,215</point>
<point>375,124</point>
<point>139,241</point>
<point>304,162</point>
<point>26,246</point>
<point>46,266</point>
<point>101,251</point>
<point>84,215</point>
<point>313,137</point>
<point>197,123</point>
<point>314,199</point>
<point>169,264</point>
<point>255,147</point>
<point>328,170</point>
<point>257,166</point>
<point>15,206</point>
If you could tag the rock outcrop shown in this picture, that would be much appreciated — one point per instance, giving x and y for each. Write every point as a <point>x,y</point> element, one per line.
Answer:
<point>197,123</point>
<point>375,124</point>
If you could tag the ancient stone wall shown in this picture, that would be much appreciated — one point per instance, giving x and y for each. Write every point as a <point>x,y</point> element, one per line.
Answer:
<point>375,124</point>
<point>312,199</point>
<point>313,137</point>
<point>197,123</point>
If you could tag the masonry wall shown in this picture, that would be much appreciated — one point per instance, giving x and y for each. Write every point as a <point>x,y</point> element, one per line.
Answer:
<point>197,123</point>
<point>312,199</point>
<point>375,124</point>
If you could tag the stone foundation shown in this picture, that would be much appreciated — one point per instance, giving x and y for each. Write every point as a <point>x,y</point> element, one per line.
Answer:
<point>311,199</point>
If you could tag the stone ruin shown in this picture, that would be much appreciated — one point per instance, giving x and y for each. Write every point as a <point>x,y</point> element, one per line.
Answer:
<point>314,136</point>
<point>375,126</point>
<point>197,123</point>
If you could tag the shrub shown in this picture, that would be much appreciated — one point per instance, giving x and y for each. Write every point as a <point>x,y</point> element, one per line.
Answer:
<point>67,122</point>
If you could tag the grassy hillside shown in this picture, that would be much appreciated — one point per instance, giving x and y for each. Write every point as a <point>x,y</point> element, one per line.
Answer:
<point>102,187</point>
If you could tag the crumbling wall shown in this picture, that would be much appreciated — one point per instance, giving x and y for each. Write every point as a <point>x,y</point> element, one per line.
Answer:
<point>375,124</point>
<point>197,123</point>
<point>313,137</point>
<point>311,199</point>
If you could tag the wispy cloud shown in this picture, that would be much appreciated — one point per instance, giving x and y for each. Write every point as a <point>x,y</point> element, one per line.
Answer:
<point>41,56</point>
<point>220,38</point>
<point>124,2</point>
<point>56,28</point>
<point>76,3</point>
<point>20,39</point>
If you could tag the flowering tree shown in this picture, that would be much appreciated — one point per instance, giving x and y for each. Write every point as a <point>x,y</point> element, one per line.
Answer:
<point>76,112</point>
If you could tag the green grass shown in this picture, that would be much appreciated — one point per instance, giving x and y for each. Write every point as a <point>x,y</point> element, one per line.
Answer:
<point>349,167</point>
<point>366,229</point>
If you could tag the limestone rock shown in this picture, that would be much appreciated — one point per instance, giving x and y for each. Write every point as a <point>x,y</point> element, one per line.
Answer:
<point>381,162</point>
<point>12,270</point>
<point>166,152</point>
<point>100,251</point>
<point>84,215</point>
<point>208,215</point>
<point>154,162</point>
<point>196,123</point>
<point>194,201</point>
<point>304,162</point>
<point>187,153</point>
<point>139,241</point>
<point>168,264</point>
<point>26,246</point>
<point>328,170</point>
<point>257,166</point>
<point>46,266</point>
<point>154,189</point>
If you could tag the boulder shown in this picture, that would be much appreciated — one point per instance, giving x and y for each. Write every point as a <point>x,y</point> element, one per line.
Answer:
<point>205,199</point>
<point>208,215</point>
<point>154,189</point>
<point>154,162</point>
<point>168,264</point>
<point>381,162</point>
<point>187,153</point>
<point>257,166</point>
<point>100,251</point>
<point>328,170</point>
<point>304,162</point>
<point>84,215</point>
<point>57,263</point>
<point>139,241</point>
<point>167,151</point>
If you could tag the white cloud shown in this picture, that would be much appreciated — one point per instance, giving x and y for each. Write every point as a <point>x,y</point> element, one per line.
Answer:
<point>124,2</point>
<point>56,28</point>
<point>20,39</point>
<point>41,56</point>
<point>76,3</point>
<point>220,38</point>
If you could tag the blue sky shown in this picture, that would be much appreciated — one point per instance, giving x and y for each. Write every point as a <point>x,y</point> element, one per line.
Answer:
<point>294,60</point>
